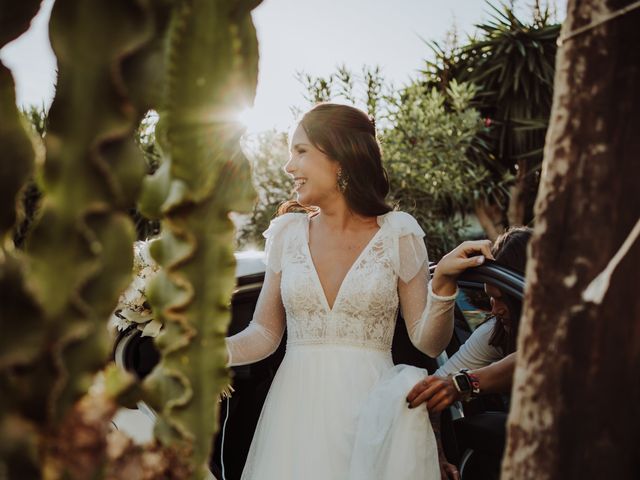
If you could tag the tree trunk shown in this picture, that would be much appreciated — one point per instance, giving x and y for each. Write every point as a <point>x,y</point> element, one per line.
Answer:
<point>576,389</point>
<point>490,217</point>
<point>518,196</point>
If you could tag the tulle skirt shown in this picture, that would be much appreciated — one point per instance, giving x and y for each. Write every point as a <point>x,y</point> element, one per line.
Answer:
<point>339,412</point>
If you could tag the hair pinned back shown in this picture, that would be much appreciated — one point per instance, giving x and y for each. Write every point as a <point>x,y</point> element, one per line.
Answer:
<point>347,135</point>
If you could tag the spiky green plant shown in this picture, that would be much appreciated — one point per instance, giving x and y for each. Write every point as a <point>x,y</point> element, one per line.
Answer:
<point>16,162</point>
<point>20,342</point>
<point>513,63</point>
<point>79,254</point>
<point>80,251</point>
<point>212,65</point>
<point>195,61</point>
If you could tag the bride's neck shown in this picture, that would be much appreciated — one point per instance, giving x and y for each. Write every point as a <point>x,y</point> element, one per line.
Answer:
<point>338,216</point>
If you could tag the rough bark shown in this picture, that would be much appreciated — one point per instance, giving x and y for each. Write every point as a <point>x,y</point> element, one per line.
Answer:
<point>490,218</point>
<point>521,195</point>
<point>576,391</point>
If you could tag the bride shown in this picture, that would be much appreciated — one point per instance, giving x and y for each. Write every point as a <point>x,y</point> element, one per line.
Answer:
<point>335,277</point>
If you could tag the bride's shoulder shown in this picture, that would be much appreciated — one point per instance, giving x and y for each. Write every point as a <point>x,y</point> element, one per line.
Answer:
<point>276,235</point>
<point>402,223</point>
<point>284,222</point>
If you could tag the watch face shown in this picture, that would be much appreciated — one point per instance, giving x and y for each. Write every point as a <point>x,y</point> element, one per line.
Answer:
<point>462,382</point>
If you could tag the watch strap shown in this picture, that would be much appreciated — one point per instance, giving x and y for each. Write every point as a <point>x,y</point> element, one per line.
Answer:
<point>475,384</point>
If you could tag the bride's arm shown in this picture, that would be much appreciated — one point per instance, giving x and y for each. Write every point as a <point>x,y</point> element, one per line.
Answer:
<point>264,333</point>
<point>429,317</point>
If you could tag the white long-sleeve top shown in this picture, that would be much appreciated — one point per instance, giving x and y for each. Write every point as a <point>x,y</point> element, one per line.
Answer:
<point>474,353</point>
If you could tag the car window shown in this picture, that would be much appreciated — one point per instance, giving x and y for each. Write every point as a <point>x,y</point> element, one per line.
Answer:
<point>474,305</point>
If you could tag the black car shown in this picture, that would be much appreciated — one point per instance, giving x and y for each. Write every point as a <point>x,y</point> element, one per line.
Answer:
<point>472,434</point>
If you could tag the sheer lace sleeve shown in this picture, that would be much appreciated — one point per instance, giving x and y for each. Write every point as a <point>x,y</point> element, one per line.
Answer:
<point>264,333</point>
<point>429,317</point>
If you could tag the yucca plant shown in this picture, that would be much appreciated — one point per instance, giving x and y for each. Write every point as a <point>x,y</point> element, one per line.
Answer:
<point>512,62</point>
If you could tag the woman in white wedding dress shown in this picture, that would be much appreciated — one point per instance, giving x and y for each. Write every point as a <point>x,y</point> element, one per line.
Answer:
<point>335,277</point>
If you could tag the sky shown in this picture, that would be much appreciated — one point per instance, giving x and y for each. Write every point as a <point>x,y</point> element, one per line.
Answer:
<point>311,36</point>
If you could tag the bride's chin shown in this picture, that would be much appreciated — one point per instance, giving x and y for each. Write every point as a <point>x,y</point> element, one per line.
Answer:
<point>303,200</point>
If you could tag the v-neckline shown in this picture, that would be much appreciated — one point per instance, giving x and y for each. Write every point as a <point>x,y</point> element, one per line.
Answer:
<point>321,290</point>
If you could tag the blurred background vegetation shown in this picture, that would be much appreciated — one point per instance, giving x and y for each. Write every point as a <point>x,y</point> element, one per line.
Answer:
<point>462,142</point>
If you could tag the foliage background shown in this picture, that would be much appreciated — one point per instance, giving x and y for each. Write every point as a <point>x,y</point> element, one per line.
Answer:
<point>462,142</point>
<point>512,62</point>
<point>425,136</point>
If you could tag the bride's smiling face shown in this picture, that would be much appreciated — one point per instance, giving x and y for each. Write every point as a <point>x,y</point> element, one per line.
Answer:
<point>314,173</point>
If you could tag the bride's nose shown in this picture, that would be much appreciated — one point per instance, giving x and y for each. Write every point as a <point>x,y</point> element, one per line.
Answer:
<point>290,166</point>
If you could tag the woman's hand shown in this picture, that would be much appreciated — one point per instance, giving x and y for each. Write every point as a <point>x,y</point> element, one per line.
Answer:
<point>437,392</point>
<point>466,255</point>
<point>448,471</point>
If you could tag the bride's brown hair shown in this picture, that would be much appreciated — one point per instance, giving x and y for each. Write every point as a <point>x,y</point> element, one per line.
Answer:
<point>348,136</point>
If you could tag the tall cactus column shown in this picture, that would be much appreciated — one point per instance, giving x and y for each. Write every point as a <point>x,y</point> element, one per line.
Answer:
<point>80,252</point>
<point>79,255</point>
<point>211,74</point>
<point>21,340</point>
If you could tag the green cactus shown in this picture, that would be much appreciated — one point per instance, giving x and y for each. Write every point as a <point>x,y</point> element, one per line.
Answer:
<point>197,60</point>
<point>79,253</point>
<point>19,148</point>
<point>18,435</point>
<point>211,73</point>
<point>17,159</point>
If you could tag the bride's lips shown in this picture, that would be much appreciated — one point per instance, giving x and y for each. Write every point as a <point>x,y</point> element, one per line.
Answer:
<point>299,183</point>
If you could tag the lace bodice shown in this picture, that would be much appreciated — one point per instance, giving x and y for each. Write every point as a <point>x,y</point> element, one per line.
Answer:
<point>365,308</point>
<point>391,269</point>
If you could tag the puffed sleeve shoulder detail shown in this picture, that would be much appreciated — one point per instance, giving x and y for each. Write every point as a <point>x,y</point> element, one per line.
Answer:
<point>409,253</point>
<point>275,237</point>
<point>403,224</point>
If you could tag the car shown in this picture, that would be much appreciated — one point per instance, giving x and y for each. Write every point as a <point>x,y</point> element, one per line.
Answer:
<point>472,434</point>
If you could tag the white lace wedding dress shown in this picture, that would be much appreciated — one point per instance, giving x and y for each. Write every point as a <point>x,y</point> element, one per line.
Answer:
<point>336,408</point>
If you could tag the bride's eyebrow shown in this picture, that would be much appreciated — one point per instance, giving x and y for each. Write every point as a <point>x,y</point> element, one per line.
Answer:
<point>299,145</point>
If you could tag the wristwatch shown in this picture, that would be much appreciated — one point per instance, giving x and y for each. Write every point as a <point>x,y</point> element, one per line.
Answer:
<point>466,383</point>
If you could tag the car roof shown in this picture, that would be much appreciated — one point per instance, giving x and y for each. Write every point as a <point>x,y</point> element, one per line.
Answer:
<point>507,280</point>
<point>249,262</point>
